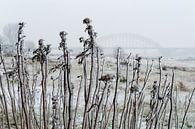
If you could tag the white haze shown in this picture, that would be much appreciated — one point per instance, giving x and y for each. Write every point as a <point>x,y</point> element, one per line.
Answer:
<point>168,22</point>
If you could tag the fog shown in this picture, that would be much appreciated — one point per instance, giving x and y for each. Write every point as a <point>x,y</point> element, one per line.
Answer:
<point>168,22</point>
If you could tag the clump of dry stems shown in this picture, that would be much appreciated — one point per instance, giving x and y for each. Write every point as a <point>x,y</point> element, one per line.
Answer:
<point>54,106</point>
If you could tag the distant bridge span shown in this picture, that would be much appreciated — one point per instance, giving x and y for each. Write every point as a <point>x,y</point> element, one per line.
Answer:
<point>126,40</point>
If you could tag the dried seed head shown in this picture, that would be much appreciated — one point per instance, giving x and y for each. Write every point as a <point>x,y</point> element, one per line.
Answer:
<point>63,34</point>
<point>41,42</point>
<point>106,78</point>
<point>21,24</point>
<point>134,88</point>
<point>81,39</point>
<point>86,21</point>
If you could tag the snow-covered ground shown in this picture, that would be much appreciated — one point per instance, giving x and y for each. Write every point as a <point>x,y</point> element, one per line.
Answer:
<point>184,73</point>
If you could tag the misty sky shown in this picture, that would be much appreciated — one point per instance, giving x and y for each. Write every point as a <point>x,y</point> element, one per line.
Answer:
<point>171,23</point>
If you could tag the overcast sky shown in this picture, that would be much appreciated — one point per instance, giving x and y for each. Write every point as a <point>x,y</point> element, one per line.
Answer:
<point>171,23</point>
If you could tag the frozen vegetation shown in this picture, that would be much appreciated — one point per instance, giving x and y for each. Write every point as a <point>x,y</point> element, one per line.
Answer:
<point>92,90</point>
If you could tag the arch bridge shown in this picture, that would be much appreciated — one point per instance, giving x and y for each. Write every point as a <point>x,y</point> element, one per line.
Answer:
<point>126,40</point>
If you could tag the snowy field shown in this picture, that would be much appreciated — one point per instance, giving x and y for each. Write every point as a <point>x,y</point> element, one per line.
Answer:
<point>184,70</point>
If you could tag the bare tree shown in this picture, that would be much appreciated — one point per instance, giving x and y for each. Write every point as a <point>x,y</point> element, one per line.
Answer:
<point>10,32</point>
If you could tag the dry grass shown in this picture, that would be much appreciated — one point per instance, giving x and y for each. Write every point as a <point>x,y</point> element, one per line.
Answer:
<point>104,106</point>
<point>182,87</point>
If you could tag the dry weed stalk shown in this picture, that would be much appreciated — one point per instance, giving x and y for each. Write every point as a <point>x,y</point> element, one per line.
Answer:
<point>100,90</point>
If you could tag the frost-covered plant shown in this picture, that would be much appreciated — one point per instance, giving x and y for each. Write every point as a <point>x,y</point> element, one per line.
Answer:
<point>40,55</point>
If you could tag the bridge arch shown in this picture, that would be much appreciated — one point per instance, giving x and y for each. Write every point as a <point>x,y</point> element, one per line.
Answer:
<point>127,40</point>
<point>134,43</point>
